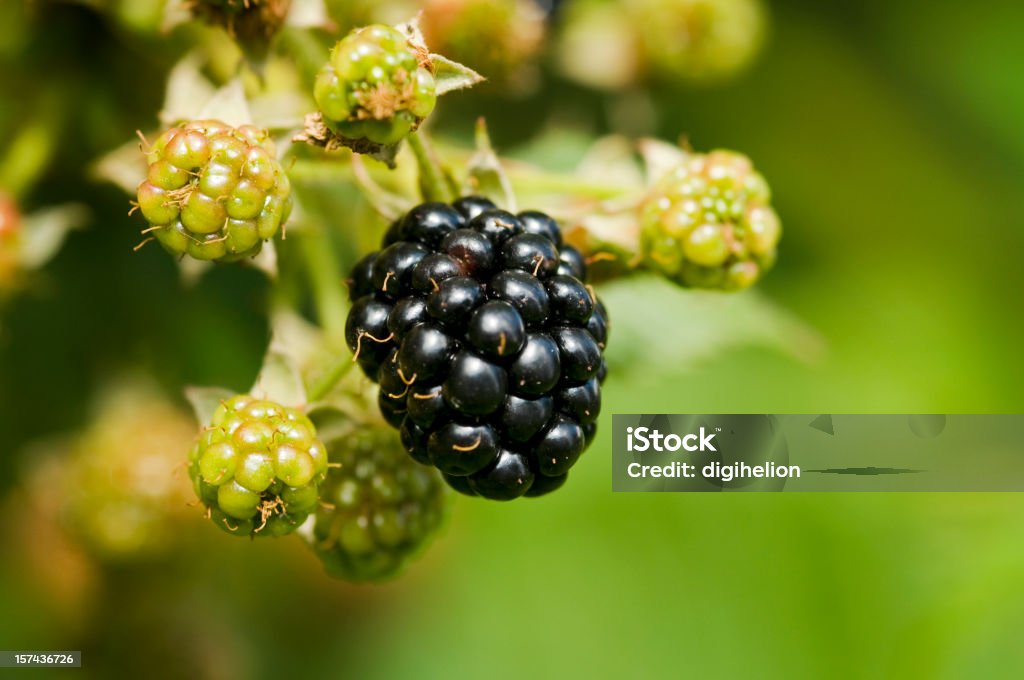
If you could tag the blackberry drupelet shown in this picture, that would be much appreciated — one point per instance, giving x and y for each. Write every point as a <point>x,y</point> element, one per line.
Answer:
<point>486,342</point>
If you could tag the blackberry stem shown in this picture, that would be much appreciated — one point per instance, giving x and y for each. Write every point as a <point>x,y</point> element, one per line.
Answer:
<point>434,184</point>
<point>550,182</point>
<point>328,380</point>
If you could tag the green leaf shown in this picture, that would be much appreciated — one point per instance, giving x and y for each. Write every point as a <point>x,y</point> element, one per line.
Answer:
<point>265,261</point>
<point>205,401</point>
<point>175,14</point>
<point>387,204</point>
<point>124,167</point>
<point>612,160</point>
<point>486,176</point>
<point>279,380</point>
<point>660,158</point>
<point>187,89</point>
<point>655,324</point>
<point>309,14</point>
<point>191,270</point>
<point>45,231</point>
<point>27,156</point>
<point>228,104</point>
<point>301,342</point>
<point>279,110</point>
<point>450,75</point>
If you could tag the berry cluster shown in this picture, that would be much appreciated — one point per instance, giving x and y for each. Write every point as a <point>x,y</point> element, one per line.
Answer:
<point>213,191</point>
<point>486,343</point>
<point>379,509</point>
<point>708,223</point>
<point>258,467</point>
<point>376,86</point>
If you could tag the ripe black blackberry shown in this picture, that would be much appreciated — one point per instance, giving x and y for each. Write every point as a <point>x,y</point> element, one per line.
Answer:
<point>486,342</point>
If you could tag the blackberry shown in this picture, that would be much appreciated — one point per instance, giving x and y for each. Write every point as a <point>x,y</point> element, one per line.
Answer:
<point>214,192</point>
<point>486,342</point>
<point>376,86</point>
<point>257,468</point>
<point>708,223</point>
<point>379,509</point>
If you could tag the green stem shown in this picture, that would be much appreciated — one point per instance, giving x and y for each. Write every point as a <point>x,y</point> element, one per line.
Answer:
<point>434,184</point>
<point>330,378</point>
<point>549,182</point>
<point>326,281</point>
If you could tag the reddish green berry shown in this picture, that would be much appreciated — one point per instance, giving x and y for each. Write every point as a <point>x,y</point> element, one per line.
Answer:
<point>376,86</point>
<point>708,223</point>
<point>213,191</point>
<point>258,467</point>
<point>380,508</point>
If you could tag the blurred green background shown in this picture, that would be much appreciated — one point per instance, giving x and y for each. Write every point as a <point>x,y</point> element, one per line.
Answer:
<point>891,135</point>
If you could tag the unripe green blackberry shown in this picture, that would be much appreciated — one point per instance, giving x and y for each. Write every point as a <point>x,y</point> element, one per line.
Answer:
<point>498,37</point>
<point>380,508</point>
<point>258,467</point>
<point>708,223</point>
<point>123,491</point>
<point>213,191</point>
<point>698,40</point>
<point>376,86</point>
